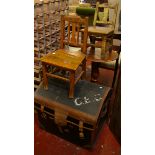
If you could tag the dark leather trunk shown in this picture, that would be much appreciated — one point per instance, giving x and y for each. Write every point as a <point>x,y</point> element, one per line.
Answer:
<point>78,122</point>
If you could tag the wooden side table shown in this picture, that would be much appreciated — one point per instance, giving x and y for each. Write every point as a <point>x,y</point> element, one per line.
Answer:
<point>106,55</point>
<point>65,60</point>
<point>97,59</point>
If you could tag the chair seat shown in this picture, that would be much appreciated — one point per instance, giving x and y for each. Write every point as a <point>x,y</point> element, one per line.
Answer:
<point>65,59</point>
<point>98,30</point>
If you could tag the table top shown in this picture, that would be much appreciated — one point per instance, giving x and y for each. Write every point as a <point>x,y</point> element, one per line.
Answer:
<point>109,56</point>
<point>64,59</point>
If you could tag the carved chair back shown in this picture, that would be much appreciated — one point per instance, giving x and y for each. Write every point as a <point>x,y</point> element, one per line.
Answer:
<point>71,34</point>
<point>105,14</point>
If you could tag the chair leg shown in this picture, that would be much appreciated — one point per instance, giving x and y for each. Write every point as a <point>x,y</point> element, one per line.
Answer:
<point>92,41</point>
<point>104,46</point>
<point>94,71</point>
<point>110,44</point>
<point>45,79</point>
<point>72,83</point>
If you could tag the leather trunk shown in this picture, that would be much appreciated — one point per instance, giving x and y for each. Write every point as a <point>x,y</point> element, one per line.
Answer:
<point>78,120</point>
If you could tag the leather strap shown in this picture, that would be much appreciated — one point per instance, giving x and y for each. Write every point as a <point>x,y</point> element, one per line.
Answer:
<point>81,134</point>
<point>60,118</point>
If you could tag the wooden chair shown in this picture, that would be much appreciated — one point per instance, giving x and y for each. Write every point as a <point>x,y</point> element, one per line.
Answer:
<point>111,65</point>
<point>67,59</point>
<point>104,21</point>
<point>102,14</point>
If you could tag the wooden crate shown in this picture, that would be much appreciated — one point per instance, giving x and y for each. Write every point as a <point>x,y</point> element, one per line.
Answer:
<point>79,119</point>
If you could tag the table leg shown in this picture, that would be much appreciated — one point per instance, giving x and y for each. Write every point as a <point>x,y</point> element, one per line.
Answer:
<point>94,71</point>
<point>72,83</point>
<point>84,68</point>
<point>45,79</point>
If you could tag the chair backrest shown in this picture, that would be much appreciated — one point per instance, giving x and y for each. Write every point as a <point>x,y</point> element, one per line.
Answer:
<point>71,34</point>
<point>103,14</point>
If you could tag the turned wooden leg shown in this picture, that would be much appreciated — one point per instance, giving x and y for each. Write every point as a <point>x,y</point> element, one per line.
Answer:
<point>72,83</point>
<point>84,69</point>
<point>45,79</point>
<point>94,71</point>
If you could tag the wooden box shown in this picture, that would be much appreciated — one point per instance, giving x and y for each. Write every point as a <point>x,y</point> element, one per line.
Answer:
<point>77,120</point>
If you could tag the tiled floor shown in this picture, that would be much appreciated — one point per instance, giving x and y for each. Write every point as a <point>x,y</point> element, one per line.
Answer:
<point>49,144</point>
